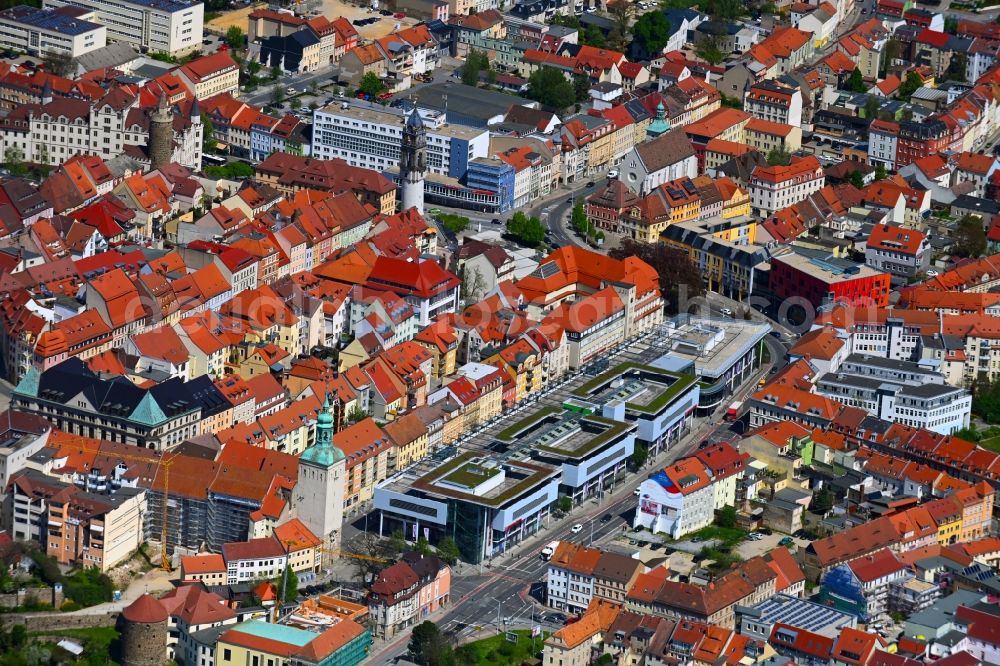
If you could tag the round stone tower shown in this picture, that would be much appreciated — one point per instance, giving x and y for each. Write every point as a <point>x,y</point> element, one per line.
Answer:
<point>144,633</point>
<point>161,134</point>
<point>413,162</point>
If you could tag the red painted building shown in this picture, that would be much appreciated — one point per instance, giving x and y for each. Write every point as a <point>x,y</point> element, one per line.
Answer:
<point>918,140</point>
<point>821,279</point>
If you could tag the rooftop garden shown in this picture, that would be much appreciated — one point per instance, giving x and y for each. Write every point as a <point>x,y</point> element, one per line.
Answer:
<point>533,474</point>
<point>508,433</point>
<point>677,385</point>
<point>612,429</point>
<point>471,474</point>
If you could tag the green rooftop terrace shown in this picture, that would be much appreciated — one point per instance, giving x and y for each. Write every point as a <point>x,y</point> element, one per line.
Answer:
<point>672,385</point>
<point>520,477</point>
<point>470,475</point>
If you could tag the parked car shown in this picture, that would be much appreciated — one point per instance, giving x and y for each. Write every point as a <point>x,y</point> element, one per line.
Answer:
<point>787,541</point>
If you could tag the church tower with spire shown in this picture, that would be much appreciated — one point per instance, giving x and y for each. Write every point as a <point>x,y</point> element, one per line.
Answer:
<point>319,491</point>
<point>413,162</point>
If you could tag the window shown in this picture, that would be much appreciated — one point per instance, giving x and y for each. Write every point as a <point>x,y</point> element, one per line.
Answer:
<point>227,654</point>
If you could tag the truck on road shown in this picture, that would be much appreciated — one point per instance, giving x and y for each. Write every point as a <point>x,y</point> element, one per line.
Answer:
<point>734,411</point>
<point>549,550</point>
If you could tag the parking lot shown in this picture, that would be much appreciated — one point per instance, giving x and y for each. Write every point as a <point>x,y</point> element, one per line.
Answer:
<point>765,544</point>
<point>384,25</point>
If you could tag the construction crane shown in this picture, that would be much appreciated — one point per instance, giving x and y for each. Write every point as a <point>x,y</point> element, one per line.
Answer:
<point>355,556</point>
<point>163,463</point>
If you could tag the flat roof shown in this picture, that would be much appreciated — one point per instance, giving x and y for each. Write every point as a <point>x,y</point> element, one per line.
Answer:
<point>466,100</point>
<point>714,345</point>
<point>276,632</point>
<point>829,269</point>
<point>519,477</point>
<point>643,388</point>
<point>391,116</point>
<point>564,433</point>
<point>803,614</point>
<point>48,19</point>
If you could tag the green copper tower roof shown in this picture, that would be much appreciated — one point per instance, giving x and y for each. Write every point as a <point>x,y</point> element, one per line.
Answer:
<point>148,411</point>
<point>29,382</point>
<point>323,453</point>
<point>661,125</point>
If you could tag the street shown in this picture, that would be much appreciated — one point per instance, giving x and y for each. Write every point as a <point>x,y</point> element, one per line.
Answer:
<point>507,591</point>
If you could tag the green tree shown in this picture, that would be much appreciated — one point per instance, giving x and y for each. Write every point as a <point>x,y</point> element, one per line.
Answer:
<point>621,17</point>
<point>491,76</point>
<point>880,172</point>
<point>822,501</point>
<point>371,85</point>
<point>581,86</point>
<point>88,587</point>
<point>950,25</point>
<point>356,413</point>
<point>708,50</point>
<point>568,20</point>
<point>726,517</point>
<point>277,95</point>
<point>872,105</point>
<point>275,73</point>
<point>604,660</point>
<point>428,646</point>
<point>526,230</point>
<point>59,63</point>
<point>890,53</point>
<point>18,635</point>
<point>548,86</point>
<point>421,547</point>
<point>447,550</point>
<point>909,86</point>
<point>640,454</point>
<point>956,67</point>
<point>397,542</point>
<point>288,586</point>
<point>723,11</point>
<point>779,156</point>
<point>732,102</point>
<point>565,503</point>
<point>594,36</point>
<point>235,38</point>
<point>680,279</point>
<point>855,81</point>
<point>651,32</point>
<point>43,167</point>
<point>475,62</point>
<point>231,171</point>
<point>579,217</point>
<point>856,179</point>
<point>13,158</point>
<point>453,223</point>
<point>207,134</point>
<point>969,237</point>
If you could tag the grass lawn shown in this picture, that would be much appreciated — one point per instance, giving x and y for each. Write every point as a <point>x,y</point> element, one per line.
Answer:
<point>96,640</point>
<point>495,650</point>
<point>991,444</point>
<point>726,536</point>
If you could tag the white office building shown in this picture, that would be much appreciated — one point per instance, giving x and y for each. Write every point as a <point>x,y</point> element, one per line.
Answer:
<point>68,32</point>
<point>370,136</point>
<point>899,391</point>
<point>164,26</point>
